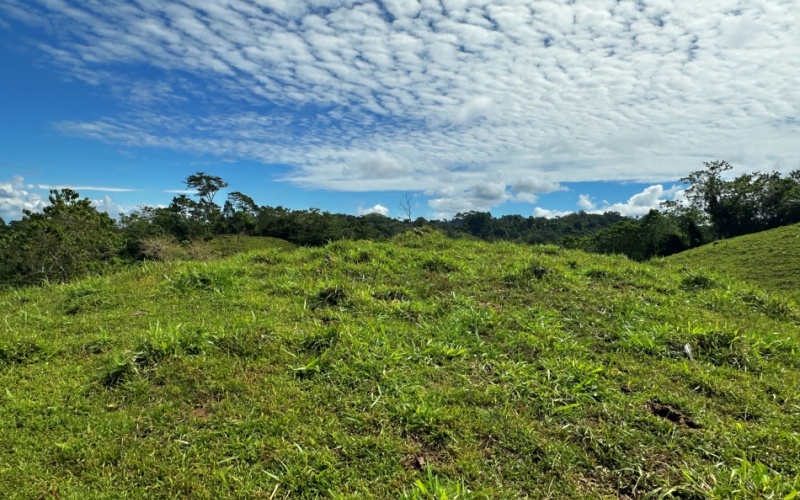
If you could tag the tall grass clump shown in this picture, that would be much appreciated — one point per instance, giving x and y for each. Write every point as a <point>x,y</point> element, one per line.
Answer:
<point>204,277</point>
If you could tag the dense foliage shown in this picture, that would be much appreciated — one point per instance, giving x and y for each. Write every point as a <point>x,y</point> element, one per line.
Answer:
<point>67,239</point>
<point>188,219</point>
<point>714,209</point>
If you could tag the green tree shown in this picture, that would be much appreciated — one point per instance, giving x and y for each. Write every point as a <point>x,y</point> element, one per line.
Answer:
<point>186,219</point>
<point>749,203</point>
<point>240,212</point>
<point>790,203</point>
<point>623,238</point>
<point>661,234</point>
<point>478,224</point>
<point>68,238</point>
<point>705,191</point>
<point>204,211</point>
<point>207,186</point>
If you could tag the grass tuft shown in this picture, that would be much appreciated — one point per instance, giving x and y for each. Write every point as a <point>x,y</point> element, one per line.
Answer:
<point>206,278</point>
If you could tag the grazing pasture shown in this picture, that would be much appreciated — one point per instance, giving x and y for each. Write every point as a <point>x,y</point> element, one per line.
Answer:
<point>423,367</point>
<point>769,259</point>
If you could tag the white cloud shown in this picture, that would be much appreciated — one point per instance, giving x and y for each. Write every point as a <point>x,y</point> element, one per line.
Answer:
<point>14,198</point>
<point>527,188</point>
<point>189,192</point>
<point>585,202</point>
<point>474,109</point>
<point>79,189</point>
<point>401,97</point>
<point>377,209</point>
<point>549,214</point>
<point>536,185</point>
<point>479,197</point>
<point>378,165</point>
<point>639,204</point>
<point>490,191</point>
<point>526,197</point>
<point>106,204</point>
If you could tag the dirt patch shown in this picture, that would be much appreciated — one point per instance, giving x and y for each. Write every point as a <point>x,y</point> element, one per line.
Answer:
<point>418,462</point>
<point>672,414</point>
<point>422,455</point>
<point>200,413</point>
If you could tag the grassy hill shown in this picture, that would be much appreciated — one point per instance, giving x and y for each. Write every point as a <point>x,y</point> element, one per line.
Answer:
<point>769,259</point>
<point>419,368</point>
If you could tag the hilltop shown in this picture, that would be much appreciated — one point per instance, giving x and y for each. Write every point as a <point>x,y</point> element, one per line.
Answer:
<point>422,367</point>
<point>769,259</point>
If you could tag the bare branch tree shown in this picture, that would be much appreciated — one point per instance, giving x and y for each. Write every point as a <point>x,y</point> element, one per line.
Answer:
<point>405,205</point>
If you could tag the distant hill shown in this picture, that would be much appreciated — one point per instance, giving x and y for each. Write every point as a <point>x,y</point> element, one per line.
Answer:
<point>420,368</point>
<point>769,259</point>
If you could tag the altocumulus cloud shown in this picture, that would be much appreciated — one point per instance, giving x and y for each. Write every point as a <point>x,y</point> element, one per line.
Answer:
<point>477,102</point>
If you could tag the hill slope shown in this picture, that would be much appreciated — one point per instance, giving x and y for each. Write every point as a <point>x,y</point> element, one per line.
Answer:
<point>418,367</point>
<point>769,259</point>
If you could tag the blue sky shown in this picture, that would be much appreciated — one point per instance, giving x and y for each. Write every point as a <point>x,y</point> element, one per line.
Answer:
<point>511,106</point>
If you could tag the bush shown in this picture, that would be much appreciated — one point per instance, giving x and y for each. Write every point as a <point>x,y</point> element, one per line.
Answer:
<point>159,248</point>
<point>68,239</point>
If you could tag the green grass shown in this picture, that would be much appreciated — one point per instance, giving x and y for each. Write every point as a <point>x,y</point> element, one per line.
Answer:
<point>419,368</point>
<point>226,246</point>
<point>769,259</point>
<point>167,249</point>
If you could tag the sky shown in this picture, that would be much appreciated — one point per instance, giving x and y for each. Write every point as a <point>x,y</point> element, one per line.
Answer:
<point>511,106</point>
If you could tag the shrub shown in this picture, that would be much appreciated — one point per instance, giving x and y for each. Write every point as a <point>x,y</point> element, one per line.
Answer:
<point>159,248</point>
<point>69,238</point>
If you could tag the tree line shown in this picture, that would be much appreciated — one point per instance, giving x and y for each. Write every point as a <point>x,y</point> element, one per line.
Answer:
<point>70,237</point>
<point>713,208</point>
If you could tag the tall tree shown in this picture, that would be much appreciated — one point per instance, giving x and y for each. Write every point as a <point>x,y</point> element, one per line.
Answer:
<point>240,213</point>
<point>405,205</point>
<point>204,211</point>
<point>207,186</point>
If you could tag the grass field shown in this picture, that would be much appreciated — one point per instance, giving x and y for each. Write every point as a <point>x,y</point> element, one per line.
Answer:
<point>769,259</point>
<point>418,368</point>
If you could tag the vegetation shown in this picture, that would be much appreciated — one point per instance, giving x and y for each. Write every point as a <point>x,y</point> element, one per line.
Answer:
<point>769,259</point>
<point>747,204</point>
<point>422,367</point>
<point>71,238</point>
<point>68,239</point>
<point>714,209</point>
